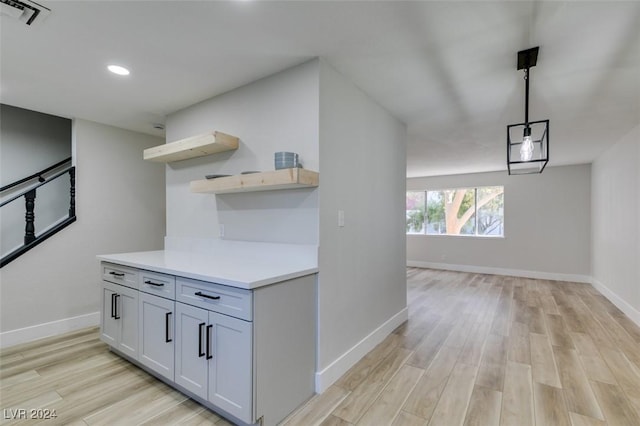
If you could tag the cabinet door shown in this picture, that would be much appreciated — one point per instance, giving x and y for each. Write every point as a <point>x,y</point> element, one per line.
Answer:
<point>127,311</point>
<point>109,326</point>
<point>191,360</point>
<point>156,320</point>
<point>230,369</point>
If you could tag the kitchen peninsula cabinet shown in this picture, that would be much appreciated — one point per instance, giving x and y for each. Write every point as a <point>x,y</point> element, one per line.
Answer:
<point>213,358</point>
<point>119,321</point>
<point>156,334</point>
<point>243,348</point>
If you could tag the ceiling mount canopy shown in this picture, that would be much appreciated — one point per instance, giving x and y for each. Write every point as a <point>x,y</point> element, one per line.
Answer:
<point>528,142</point>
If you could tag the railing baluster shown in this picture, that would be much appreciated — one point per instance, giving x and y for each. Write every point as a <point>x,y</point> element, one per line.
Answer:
<point>29,228</point>
<point>72,192</point>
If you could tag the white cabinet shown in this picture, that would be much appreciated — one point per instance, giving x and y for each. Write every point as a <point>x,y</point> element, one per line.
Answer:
<point>191,357</point>
<point>247,354</point>
<point>214,358</point>
<point>120,318</point>
<point>230,372</point>
<point>156,331</point>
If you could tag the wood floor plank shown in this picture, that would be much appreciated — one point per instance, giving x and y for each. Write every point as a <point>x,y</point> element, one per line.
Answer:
<point>558,331</point>
<point>60,356</point>
<point>491,371</point>
<point>334,421</point>
<point>550,407</point>
<point>19,378</point>
<point>388,404</point>
<point>318,408</point>
<point>471,352</point>
<point>597,369</point>
<point>359,372</point>
<point>626,376</point>
<point>542,361</point>
<point>175,414</point>
<point>47,341</point>
<point>517,398</point>
<point>422,401</point>
<point>577,392</point>
<point>537,320</point>
<point>484,407</point>
<point>584,344</point>
<point>406,419</point>
<point>203,418</point>
<point>353,407</point>
<point>453,403</point>
<point>518,344</point>
<point>426,352</point>
<point>580,420</point>
<point>618,411</point>
<point>139,407</point>
<point>415,335</point>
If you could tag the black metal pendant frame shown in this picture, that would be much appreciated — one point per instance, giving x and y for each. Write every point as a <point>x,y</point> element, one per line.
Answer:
<point>527,59</point>
<point>541,144</point>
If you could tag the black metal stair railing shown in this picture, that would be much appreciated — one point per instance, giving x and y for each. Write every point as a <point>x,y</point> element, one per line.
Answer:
<point>30,238</point>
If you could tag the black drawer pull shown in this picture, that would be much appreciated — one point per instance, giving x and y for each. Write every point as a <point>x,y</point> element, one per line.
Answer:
<point>200,351</point>
<point>117,274</point>
<point>113,305</point>
<point>166,327</point>
<point>116,297</point>
<point>154,284</point>
<point>209,327</point>
<point>201,294</point>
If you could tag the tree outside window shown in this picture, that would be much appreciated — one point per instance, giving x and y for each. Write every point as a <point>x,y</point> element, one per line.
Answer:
<point>461,211</point>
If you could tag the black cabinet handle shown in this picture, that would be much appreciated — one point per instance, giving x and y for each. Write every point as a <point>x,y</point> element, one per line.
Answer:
<point>117,296</point>
<point>113,305</point>
<point>200,351</point>
<point>155,284</point>
<point>117,274</point>
<point>201,294</point>
<point>209,327</point>
<point>166,327</point>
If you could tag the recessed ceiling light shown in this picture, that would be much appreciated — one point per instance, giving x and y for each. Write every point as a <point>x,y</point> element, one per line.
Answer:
<point>117,69</point>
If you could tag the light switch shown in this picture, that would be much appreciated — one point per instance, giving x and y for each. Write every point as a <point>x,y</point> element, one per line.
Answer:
<point>341,218</point>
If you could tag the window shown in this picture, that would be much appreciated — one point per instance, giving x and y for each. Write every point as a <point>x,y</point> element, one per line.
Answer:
<point>461,211</point>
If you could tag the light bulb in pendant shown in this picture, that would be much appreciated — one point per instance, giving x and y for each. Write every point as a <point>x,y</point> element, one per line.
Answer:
<point>526,149</point>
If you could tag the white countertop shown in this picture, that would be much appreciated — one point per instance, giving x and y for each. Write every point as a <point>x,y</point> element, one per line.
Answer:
<point>246,265</point>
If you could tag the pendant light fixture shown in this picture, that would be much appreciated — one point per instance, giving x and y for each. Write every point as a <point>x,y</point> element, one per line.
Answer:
<point>528,142</point>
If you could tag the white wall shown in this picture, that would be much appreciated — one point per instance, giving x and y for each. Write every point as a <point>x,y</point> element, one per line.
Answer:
<point>547,227</point>
<point>615,227</point>
<point>362,283</point>
<point>120,207</point>
<point>360,152</point>
<point>31,141</point>
<point>277,113</point>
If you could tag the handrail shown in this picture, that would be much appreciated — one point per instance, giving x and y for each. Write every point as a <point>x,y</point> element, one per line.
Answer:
<point>35,175</point>
<point>23,193</point>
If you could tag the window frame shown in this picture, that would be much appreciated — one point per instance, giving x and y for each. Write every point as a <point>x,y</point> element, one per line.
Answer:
<point>475,214</point>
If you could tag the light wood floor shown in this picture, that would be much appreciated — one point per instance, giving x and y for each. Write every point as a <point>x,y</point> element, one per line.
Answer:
<point>477,350</point>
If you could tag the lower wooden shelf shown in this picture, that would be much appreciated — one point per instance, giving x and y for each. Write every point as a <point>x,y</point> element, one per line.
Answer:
<point>264,181</point>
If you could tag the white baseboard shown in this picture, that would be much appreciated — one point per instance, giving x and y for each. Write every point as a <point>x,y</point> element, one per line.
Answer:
<point>501,271</point>
<point>53,328</point>
<point>344,362</point>
<point>628,310</point>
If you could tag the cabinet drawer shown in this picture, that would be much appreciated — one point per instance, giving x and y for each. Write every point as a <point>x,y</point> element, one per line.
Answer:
<point>120,275</point>
<point>232,301</point>
<point>162,285</point>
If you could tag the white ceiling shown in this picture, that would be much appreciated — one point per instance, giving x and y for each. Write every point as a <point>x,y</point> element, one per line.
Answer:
<point>447,69</point>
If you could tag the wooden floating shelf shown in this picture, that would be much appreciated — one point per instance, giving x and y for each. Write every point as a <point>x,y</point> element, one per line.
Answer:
<point>265,181</point>
<point>195,146</point>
